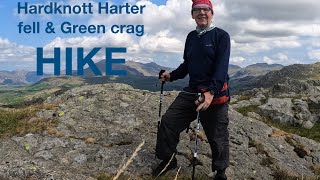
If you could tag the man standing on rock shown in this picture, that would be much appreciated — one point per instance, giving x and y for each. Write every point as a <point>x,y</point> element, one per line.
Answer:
<point>206,60</point>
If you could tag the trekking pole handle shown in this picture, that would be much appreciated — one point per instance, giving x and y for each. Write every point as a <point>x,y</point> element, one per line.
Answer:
<point>201,98</point>
<point>160,74</point>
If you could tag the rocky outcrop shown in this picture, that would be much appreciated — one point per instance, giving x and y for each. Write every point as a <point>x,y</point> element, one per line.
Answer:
<point>314,104</point>
<point>291,87</point>
<point>291,111</point>
<point>279,110</point>
<point>296,105</point>
<point>100,126</point>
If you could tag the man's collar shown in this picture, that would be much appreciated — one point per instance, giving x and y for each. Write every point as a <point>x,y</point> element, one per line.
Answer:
<point>202,31</point>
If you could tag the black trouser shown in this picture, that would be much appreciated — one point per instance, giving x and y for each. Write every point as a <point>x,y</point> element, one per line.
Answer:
<point>179,116</point>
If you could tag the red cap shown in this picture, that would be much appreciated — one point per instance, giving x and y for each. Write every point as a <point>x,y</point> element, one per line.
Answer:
<point>201,3</point>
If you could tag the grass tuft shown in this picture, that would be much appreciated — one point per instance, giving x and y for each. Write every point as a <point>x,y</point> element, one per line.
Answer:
<point>18,121</point>
<point>316,169</point>
<point>280,174</point>
<point>257,145</point>
<point>313,133</point>
<point>244,110</point>
<point>124,167</point>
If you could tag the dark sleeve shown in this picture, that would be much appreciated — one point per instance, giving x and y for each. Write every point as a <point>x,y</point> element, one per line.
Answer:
<point>182,71</point>
<point>220,74</point>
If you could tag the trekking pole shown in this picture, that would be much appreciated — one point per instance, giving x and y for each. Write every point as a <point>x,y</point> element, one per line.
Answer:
<point>161,96</point>
<point>196,144</point>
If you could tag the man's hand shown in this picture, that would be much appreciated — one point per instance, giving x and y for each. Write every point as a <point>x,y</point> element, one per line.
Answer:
<point>165,76</point>
<point>208,97</point>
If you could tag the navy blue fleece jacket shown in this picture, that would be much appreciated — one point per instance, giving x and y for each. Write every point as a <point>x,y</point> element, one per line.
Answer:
<point>206,60</point>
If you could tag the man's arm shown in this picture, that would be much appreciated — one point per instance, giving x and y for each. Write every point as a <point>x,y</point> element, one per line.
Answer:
<point>221,64</point>
<point>181,72</point>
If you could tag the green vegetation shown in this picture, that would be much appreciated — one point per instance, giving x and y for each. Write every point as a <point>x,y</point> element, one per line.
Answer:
<point>25,95</point>
<point>244,110</point>
<point>314,73</point>
<point>169,176</point>
<point>313,133</point>
<point>257,145</point>
<point>316,169</point>
<point>16,95</point>
<point>280,174</point>
<point>37,87</point>
<point>16,121</point>
<point>242,98</point>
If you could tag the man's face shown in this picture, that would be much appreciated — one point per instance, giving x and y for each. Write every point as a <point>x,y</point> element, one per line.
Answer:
<point>202,16</point>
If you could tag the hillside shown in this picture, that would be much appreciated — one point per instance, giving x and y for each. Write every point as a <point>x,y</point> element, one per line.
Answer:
<point>255,70</point>
<point>19,77</point>
<point>233,69</point>
<point>305,72</point>
<point>302,76</point>
<point>98,127</point>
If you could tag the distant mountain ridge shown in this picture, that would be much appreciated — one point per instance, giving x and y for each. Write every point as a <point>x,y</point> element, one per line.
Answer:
<point>295,71</point>
<point>152,69</point>
<point>257,69</point>
<point>132,68</point>
<point>140,75</point>
<point>308,73</point>
<point>19,77</point>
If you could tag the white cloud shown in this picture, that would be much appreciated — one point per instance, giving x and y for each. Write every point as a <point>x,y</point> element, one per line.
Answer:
<point>252,45</point>
<point>268,60</point>
<point>314,54</point>
<point>12,52</point>
<point>161,42</point>
<point>14,56</point>
<point>315,43</point>
<point>237,59</point>
<point>282,56</point>
<point>274,10</point>
<point>108,39</point>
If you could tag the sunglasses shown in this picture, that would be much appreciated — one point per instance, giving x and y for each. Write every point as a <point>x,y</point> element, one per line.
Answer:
<point>198,10</point>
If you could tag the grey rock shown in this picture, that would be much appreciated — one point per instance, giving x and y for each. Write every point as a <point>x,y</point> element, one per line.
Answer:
<point>254,115</point>
<point>303,114</point>
<point>278,110</point>
<point>82,158</point>
<point>240,104</point>
<point>314,105</point>
<point>308,124</point>
<point>44,154</point>
<point>255,101</point>
<point>122,104</point>
<point>290,111</point>
<point>46,145</point>
<point>291,87</point>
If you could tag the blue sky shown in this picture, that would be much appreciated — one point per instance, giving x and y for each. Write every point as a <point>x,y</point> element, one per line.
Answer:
<point>261,32</point>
